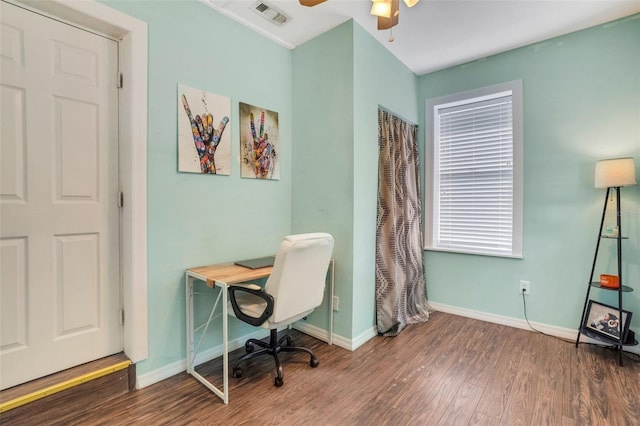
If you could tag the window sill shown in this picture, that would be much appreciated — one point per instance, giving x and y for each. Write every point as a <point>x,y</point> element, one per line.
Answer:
<point>447,250</point>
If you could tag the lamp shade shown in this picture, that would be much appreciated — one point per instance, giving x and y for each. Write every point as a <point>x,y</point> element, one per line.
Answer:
<point>381,8</point>
<point>615,172</point>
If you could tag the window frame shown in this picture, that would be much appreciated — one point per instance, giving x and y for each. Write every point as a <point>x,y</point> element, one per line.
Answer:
<point>432,105</point>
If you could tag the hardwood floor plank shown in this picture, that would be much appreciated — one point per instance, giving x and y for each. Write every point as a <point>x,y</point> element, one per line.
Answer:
<point>461,409</point>
<point>590,384</point>
<point>451,370</point>
<point>525,391</point>
<point>548,409</point>
<point>479,419</point>
<point>494,400</point>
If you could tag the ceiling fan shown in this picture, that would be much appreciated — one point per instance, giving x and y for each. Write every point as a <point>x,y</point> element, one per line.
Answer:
<point>387,11</point>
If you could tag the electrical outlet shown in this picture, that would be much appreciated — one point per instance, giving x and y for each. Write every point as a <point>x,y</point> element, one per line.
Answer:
<point>525,287</point>
<point>336,303</point>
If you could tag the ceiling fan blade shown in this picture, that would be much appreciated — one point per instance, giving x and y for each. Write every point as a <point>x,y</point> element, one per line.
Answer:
<point>311,3</point>
<point>386,23</point>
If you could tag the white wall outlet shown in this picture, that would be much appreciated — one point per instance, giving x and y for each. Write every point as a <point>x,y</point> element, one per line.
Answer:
<point>525,287</point>
<point>336,303</point>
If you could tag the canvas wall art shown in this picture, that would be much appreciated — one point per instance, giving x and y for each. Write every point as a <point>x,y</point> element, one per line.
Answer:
<point>204,134</point>
<point>259,143</point>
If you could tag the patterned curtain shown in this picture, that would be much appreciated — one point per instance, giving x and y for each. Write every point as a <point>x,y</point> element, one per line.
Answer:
<point>401,294</point>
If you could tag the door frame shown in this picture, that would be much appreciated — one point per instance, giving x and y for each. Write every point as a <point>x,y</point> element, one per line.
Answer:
<point>132,109</point>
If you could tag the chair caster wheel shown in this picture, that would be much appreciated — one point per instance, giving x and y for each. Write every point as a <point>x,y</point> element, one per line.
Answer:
<point>237,373</point>
<point>290,342</point>
<point>248,347</point>
<point>278,381</point>
<point>314,362</point>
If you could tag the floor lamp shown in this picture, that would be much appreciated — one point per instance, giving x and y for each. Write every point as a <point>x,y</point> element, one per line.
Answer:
<point>612,174</point>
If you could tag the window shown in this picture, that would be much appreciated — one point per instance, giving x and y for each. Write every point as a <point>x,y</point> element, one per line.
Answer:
<point>474,171</point>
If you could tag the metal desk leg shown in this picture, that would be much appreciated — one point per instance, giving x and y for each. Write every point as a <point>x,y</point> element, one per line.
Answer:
<point>189,319</point>
<point>224,394</point>
<point>225,344</point>
<point>332,286</point>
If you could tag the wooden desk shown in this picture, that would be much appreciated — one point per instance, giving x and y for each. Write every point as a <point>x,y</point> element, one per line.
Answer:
<point>222,276</point>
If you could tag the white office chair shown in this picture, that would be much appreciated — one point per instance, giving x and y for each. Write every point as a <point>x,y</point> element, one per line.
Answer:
<point>293,290</point>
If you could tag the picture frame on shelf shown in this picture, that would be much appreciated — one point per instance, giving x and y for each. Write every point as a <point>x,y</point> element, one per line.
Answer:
<point>603,320</point>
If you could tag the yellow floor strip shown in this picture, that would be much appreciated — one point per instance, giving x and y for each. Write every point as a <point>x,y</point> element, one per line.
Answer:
<point>34,396</point>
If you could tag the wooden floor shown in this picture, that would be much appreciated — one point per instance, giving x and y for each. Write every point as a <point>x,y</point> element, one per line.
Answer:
<point>450,371</point>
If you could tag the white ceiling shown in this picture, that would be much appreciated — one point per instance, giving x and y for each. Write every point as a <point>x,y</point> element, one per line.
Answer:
<point>437,34</point>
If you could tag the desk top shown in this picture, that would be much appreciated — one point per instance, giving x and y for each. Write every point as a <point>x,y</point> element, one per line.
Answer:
<point>228,273</point>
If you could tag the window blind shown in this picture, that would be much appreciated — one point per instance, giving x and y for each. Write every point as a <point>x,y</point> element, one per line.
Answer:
<point>474,176</point>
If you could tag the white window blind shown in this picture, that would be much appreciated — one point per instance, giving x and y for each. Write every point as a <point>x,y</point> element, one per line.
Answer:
<point>474,171</point>
<point>475,176</point>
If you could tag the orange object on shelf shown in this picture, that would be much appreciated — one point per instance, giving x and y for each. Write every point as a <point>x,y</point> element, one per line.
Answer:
<point>609,281</point>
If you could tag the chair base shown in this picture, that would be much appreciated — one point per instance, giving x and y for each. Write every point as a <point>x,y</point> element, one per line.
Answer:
<point>273,348</point>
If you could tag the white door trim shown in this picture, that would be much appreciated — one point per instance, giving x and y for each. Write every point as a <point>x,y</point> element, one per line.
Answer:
<point>132,36</point>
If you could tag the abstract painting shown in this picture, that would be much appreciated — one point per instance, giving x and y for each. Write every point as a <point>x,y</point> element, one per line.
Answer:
<point>259,143</point>
<point>203,144</point>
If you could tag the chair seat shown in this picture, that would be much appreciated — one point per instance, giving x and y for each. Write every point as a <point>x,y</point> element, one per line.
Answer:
<point>249,304</point>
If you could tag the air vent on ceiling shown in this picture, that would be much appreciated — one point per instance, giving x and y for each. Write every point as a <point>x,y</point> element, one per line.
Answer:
<point>270,13</point>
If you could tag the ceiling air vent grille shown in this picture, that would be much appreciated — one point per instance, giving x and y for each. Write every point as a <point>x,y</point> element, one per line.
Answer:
<point>270,13</point>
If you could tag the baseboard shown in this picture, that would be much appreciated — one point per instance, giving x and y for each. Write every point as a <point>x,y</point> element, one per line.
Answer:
<point>363,338</point>
<point>178,367</point>
<point>343,342</point>
<point>322,334</point>
<point>563,332</point>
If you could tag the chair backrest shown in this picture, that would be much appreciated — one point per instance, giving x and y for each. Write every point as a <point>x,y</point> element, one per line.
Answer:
<point>299,274</point>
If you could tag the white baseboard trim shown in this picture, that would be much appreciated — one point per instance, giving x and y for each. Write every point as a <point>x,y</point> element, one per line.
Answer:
<point>343,342</point>
<point>155,376</point>
<point>565,333</point>
<point>177,367</point>
<point>322,334</point>
<point>363,338</point>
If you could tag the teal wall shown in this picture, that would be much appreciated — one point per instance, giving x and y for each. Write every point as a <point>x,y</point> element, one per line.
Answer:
<point>192,219</point>
<point>379,80</point>
<point>581,104</point>
<point>323,155</point>
<point>340,78</point>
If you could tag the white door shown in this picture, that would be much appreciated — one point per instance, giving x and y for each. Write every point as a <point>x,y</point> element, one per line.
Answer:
<point>59,217</point>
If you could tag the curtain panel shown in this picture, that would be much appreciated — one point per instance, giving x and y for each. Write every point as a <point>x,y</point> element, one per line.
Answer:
<point>401,294</point>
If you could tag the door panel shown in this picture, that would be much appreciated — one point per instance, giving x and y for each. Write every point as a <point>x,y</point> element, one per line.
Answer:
<point>59,216</point>
<point>12,144</point>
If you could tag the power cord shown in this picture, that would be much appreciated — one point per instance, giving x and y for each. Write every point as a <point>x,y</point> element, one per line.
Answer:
<point>635,358</point>
<point>524,306</point>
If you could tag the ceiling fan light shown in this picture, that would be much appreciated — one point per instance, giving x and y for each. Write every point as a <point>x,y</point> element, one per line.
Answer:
<point>392,21</point>
<point>381,8</point>
<point>411,3</point>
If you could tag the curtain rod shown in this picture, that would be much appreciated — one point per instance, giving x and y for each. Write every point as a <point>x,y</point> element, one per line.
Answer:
<point>397,115</point>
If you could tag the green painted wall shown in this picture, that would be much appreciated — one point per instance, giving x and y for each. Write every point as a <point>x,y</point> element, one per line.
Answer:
<point>581,103</point>
<point>192,219</point>
<point>323,155</point>
<point>339,80</point>
<point>379,80</point>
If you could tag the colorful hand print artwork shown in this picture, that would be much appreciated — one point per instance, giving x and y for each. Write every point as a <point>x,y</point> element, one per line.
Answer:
<point>259,143</point>
<point>204,137</point>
